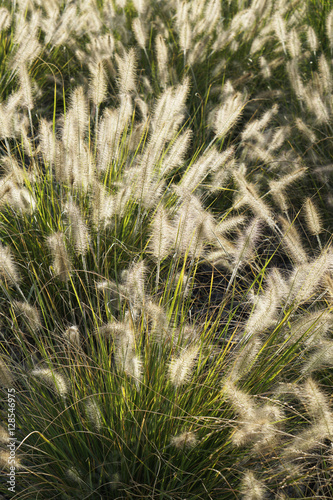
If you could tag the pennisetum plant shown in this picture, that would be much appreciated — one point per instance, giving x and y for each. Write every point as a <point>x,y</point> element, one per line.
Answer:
<point>165,250</point>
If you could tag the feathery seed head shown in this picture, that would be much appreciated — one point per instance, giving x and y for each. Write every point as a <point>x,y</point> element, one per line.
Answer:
<point>276,281</point>
<point>161,235</point>
<point>19,199</point>
<point>72,335</point>
<point>311,327</point>
<point>29,314</point>
<point>181,368</point>
<point>306,130</point>
<point>307,278</point>
<point>141,6</point>
<point>294,44</point>
<point>112,329</point>
<point>13,170</point>
<point>278,138</point>
<point>229,224</point>
<point>255,126</point>
<point>74,475</point>
<point>140,32</point>
<point>325,74</point>
<point>210,162</point>
<point>184,440</point>
<point>94,414</point>
<point>79,107</point>
<point>25,87</point>
<point>245,359</point>
<point>174,157</point>
<point>295,79</point>
<point>125,356</point>
<point>133,367</point>
<point>277,187</point>
<point>61,262</point>
<point>185,35</point>
<point>6,377</point>
<point>4,435</point>
<point>246,243</point>
<point>27,52</point>
<point>103,205</point>
<point>292,243</point>
<point>193,225</point>
<point>52,379</point>
<point>5,19</point>
<point>241,402</point>
<point>228,113</point>
<point>182,13</point>
<point>48,142</point>
<point>162,60</point>
<point>329,28</point>
<point>317,106</point>
<point>134,282</point>
<point>312,217</point>
<point>158,321</point>
<point>264,314</point>
<point>322,357</point>
<point>98,83</point>
<point>280,29</point>
<point>312,39</point>
<point>265,68</point>
<point>8,271</point>
<point>7,460</point>
<point>212,15</point>
<point>126,71</point>
<point>317,403</point>
<point>252,488</point>
<point>250,196</point>
<point>79,228</point>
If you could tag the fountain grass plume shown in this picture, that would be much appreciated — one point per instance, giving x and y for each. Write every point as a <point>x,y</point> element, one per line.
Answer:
<point>181,368</point>
<point>8,268</point>
<point>53,380</point>
<point>61,261</point>
<point>126,71</point>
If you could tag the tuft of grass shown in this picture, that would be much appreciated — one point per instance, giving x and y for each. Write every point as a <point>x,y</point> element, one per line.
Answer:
<point>165,249</point>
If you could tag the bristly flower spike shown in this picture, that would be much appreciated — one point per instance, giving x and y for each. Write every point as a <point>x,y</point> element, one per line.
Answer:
<point>79,229</point>
<point>8,271</point>
<point>126,72</point>
<point>162,60</point>
<point>252,488</point>
<point>280,30</point>
<point>181,368</point>
<point>329,29</point>
<point>312,39</point>
<point>140,33</point>
<point>184,440</point>
<point>52,379</point>
<point>6,378</point>
<point>5,19</point>
<point>61,261</point>
<point>313,219</point>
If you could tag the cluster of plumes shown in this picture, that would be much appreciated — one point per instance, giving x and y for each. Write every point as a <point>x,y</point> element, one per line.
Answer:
<point>262,428</point>
<point>127,332</point>
<point>278,310</point>
<point>16,186</point>
<point>81,159</point>
<point>67,146</point>
<point>258,425</point>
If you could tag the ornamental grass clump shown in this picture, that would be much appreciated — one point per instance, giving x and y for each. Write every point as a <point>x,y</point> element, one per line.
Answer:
<point>165,248</point>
